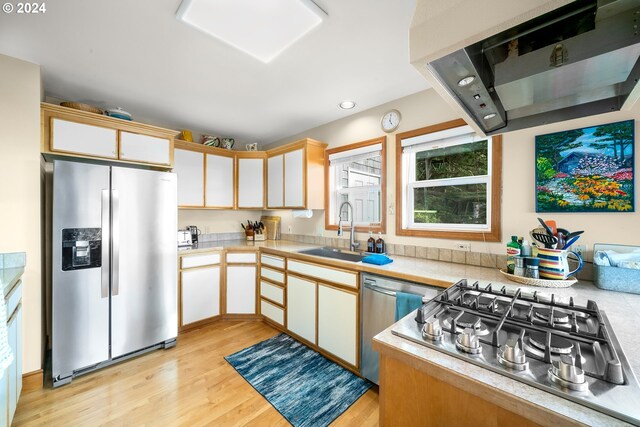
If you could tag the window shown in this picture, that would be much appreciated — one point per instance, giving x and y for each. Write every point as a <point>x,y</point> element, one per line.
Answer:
<point>448,183</point>
<point>356,174</point>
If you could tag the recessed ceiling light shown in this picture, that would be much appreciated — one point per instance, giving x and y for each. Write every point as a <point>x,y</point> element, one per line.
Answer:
<point>466,81</point>
<point>347,105</point>
<point>476,96</point>
<point>489,116</point>
<point>262,29</point>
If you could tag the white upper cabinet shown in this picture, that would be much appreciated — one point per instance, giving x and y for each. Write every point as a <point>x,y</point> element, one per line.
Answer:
<point>144,148</point>
<point>251,183</point>
<point>220,185</point>
<point>70,132</point>
<point>275,181</point>
<point>189,166</point>
<point>294,178</point>
<point>79,138</point>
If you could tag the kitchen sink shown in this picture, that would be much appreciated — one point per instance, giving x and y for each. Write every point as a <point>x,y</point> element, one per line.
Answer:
<point>328,252</point>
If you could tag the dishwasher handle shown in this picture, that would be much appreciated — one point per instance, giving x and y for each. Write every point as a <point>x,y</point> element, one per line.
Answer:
<point>376,288</point>
<point>369,284</point>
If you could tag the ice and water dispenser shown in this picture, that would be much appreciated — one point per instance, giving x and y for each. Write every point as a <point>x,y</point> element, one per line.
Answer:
<point>81,248</point>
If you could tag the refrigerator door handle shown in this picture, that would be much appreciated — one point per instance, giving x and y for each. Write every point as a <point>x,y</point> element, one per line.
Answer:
<point>115,242</point>
<point>104,285</point>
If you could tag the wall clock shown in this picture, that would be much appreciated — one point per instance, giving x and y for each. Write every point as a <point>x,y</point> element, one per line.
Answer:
<point>390,120</point>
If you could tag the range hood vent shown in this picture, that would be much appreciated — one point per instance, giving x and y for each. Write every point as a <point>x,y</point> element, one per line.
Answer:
<point>578,60</point>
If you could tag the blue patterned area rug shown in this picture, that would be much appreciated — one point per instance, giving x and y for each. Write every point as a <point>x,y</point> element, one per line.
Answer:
<point>305,387</point>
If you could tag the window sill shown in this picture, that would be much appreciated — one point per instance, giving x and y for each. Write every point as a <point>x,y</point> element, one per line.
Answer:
<point>379,228</point>
<point>483,236</point>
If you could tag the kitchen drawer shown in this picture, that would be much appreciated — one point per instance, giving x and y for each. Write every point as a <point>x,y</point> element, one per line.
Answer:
<point>244,257</point>
<point>272,312</point>
<point>272,275</point>
<point>272,260</point>
<point>327,274</point>
<point>273,292</point>
<point>199,260</point>
<point>13,299</point>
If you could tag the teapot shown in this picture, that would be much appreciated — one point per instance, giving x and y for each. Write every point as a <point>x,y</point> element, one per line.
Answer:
<point>554,263</point>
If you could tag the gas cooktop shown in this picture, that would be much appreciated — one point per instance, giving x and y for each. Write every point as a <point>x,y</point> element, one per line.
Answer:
<point>547,342</point>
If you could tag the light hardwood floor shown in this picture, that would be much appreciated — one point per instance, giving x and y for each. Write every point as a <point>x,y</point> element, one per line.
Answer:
<point>189,385</point>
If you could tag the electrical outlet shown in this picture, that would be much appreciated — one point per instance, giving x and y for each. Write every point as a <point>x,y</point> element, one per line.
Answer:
<point>289,229</point>
<point>391,210</point>
<point>580,250</point>
<point>462,246</point>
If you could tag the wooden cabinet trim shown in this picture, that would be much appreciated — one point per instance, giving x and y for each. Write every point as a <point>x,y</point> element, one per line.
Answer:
<point>374,227</point>
<point>358,339</point>
<point>495,234</point>
<point>224,153</point>
<point>169,140</point>
<point>48,112</point>
<point>272,282</point>
<point>86,117</point>
<point>320,279</point>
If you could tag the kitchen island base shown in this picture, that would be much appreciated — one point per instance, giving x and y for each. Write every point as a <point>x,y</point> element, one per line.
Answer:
<point>414,392</point>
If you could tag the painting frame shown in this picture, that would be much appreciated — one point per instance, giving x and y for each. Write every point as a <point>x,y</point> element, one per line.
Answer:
<point>588,169</point>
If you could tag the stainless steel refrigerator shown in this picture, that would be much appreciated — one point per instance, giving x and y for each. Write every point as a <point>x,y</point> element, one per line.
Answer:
<point>114,265</point>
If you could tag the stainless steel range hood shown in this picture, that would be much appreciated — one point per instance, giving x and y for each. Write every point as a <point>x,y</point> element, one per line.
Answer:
<point>574,61</point>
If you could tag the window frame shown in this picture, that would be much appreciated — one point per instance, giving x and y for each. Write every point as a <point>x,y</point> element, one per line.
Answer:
<point>494,186</point>
<point>328,196</point>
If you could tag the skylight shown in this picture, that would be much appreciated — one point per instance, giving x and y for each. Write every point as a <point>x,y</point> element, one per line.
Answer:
<point>261,28</point>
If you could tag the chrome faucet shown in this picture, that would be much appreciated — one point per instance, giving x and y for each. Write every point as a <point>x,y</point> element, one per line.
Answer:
<point>353,245</point>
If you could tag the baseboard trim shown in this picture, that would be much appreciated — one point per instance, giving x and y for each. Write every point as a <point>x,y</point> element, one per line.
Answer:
<point>32,381</point>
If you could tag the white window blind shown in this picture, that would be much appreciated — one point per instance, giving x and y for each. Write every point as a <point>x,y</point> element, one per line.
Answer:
<point>355,155</point>
<point>424,144</point>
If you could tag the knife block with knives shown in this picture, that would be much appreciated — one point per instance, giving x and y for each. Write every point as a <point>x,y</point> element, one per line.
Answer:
<point>255,231</point>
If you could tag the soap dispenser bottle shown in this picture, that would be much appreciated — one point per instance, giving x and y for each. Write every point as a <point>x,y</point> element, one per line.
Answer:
<point>380,246</point>
<point>371,243</point>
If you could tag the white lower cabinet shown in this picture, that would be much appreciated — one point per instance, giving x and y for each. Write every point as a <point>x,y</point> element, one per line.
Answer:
<point>11,382</point>
<point>337,322</point>
<point>200,294</point>
<point>241,289</point>
<point>272,312</point>
<point>301,307</point>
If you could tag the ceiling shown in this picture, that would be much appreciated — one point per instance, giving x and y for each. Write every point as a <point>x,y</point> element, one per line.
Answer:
<point>137,55</point>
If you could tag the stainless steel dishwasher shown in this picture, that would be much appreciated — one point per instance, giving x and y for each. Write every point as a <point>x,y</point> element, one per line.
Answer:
<point>378,313</point>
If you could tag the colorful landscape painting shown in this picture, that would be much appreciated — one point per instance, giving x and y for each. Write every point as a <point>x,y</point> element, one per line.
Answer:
<point>586,170</point>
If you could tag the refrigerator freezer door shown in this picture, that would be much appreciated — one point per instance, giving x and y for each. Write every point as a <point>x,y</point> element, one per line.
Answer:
<point>80,308</point>
<point>144,306</point>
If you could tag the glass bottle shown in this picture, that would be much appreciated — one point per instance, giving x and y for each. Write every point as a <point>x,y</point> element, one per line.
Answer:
<point>371,243</point>
<point>513,250</point>
<point>380,246</point>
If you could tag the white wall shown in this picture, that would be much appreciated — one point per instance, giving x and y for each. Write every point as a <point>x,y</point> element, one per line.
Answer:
<point>518,196</point>
<point>20,94</point>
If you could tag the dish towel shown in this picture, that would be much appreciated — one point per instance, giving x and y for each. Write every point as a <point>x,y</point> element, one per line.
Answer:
<point>6,356</point>
<point>377,259</point>
<point>406,303</point>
